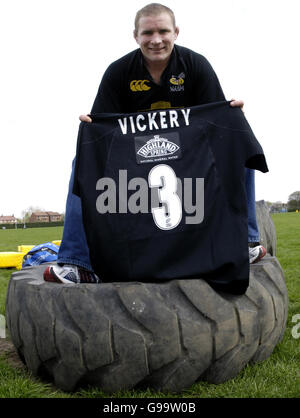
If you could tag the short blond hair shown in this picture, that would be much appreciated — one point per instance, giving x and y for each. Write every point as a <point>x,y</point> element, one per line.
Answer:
<point>153,9</point>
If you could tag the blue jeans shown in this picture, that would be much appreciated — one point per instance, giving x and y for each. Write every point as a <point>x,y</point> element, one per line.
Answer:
<point>74,248</point>
<point>253,233</point>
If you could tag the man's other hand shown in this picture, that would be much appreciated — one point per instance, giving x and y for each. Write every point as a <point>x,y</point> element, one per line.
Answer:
<point>237,103</point>
<point>85,118</point>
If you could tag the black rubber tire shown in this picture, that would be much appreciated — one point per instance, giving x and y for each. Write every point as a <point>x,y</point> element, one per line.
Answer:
<point>124,335</point>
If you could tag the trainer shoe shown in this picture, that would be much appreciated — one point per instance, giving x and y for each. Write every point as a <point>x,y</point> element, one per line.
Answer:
<point>69,274</point>
<point>256,253</point>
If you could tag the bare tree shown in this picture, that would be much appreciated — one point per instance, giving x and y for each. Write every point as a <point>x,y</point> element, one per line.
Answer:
<point>294,201</point>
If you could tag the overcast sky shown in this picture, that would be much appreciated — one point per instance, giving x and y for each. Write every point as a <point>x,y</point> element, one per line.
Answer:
<point>54,53</point>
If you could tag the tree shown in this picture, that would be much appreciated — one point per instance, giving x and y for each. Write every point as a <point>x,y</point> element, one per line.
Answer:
<point>294,201</point>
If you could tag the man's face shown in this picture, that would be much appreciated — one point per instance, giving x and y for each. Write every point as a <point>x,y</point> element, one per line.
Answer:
<point>156,36</point>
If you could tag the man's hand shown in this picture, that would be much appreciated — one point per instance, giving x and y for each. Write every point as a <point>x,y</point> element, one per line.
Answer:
<point>237,103</point>
<point>85,118</point>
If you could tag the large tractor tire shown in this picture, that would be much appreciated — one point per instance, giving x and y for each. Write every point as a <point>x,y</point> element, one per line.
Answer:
<point>127,335</point>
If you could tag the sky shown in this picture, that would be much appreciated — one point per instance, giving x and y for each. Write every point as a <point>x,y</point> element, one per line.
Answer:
<point>53,56</point>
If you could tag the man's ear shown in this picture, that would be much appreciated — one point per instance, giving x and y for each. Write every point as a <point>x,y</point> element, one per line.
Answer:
<point>176,31</point>
<point>135,34</point>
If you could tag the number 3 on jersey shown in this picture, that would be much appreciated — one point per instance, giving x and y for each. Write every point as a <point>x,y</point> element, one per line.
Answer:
<point>169,215</point>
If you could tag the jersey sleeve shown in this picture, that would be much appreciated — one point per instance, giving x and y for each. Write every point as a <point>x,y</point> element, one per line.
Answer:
<point>246,149</point>
<point>253,153</point>
<point>255,157</point>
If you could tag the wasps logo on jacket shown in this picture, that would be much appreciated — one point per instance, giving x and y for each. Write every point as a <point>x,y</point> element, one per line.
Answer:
<point>177,81</point>
<point>139,85</point>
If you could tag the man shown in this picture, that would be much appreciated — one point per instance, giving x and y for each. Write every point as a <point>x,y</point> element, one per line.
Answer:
<point>158,75</point>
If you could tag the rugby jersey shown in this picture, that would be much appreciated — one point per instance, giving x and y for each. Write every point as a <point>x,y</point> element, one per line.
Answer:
<point>163,194</point>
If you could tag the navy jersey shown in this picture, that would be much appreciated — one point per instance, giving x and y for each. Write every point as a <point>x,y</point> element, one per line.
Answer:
<point>127,86</point>
<point>163,194</point>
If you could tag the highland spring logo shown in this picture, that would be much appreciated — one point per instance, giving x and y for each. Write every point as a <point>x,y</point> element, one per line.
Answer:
<point>169,195</point>
<point>157,147</point>
<point>152,148</point>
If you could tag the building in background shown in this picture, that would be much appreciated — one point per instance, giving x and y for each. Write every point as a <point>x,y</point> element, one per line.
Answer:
<point>8,219</point>
<point>45,217</point>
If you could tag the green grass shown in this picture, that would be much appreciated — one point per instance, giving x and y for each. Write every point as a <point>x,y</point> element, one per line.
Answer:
<point>277,377</point>
<point>288,253</point>
<point>11,238</point>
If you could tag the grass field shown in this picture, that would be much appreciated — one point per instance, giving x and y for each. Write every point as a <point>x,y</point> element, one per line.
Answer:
<point>277,377</point>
